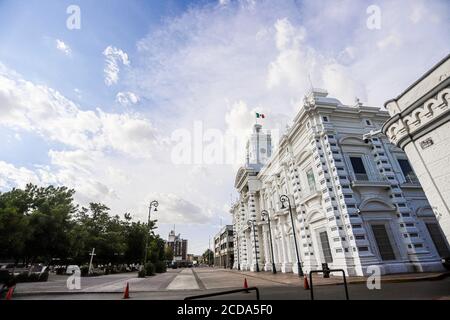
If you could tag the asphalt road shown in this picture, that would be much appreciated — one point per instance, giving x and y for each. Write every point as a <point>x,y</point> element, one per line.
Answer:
<point>180,283</point>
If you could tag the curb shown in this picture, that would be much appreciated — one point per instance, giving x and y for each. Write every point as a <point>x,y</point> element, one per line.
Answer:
<point>434,277</point>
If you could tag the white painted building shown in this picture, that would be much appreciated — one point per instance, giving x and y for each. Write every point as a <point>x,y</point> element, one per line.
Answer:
<point>420,125</point>
<point>353,206</point>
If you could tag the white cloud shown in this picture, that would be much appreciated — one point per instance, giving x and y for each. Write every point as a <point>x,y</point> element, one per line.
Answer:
<point>11,176</point>
<point>78,93</point>
<point>114,57</point>
<point>338,81</point>
<point>127,98</point>
<point>175,209</point>
<point>389,41</point>
<point>42,110</point>
<point>61,46</point>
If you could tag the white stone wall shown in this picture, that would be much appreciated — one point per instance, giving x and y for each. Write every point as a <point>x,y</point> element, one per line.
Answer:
<point>420,124</point>
<point>432,167</point>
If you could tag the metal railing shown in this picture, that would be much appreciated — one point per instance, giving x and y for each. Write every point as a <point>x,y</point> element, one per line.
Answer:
<point>364,177</point>
<point>208,295</point>
<point>327,271</point>
<point>411,178</point>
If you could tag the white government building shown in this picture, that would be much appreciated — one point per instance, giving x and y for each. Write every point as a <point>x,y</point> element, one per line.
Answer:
<point>355,202</point>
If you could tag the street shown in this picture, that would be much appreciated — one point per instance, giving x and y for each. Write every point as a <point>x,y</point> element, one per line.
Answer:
<point>180,283</point>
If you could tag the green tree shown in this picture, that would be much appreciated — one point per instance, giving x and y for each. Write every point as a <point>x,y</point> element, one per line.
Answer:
<point>168,253</point>
<point>42,223</point>
<point>49,215</point>
<point>14,224</point>
<point>208,256</point>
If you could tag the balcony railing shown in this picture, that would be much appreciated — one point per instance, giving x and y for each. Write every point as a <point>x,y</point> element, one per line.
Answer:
<point>411,178</point>
<point>361,177</point>
<point>364,178</point>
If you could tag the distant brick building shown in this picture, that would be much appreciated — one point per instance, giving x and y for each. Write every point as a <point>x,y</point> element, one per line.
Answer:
<point>179,247</point>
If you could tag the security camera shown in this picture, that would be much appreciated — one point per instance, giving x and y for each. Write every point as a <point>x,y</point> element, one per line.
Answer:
<point>370,135</point>
<point>366,137</point>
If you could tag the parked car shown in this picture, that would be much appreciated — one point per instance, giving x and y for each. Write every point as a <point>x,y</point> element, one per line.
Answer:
<point>71,269</point>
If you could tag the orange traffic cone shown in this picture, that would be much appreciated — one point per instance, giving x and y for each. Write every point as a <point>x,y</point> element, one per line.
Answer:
<point>9,294</point>
<point>126,294</point>
<point>246,285</point>
<point>305,282</point>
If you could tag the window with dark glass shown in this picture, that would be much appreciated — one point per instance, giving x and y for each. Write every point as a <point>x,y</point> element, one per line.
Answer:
<point>438,239</point>
<point>407,170</point>
<point>311,180</point>
<point>358,168</point>
<point>326,247</point>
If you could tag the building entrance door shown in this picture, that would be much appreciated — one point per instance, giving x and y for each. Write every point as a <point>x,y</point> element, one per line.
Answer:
<point>383,243</point>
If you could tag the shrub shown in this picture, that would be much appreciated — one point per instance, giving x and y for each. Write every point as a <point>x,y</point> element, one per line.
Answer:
<point>43,277</point>
<point>150,269</point>
<point>84,271</point>
<point>141,273</point>
<point>160,267</point>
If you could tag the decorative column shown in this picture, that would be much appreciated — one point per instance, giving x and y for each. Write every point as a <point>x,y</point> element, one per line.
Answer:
<point>267,254</point>
<point>243,237</point>
<point>254,233</point>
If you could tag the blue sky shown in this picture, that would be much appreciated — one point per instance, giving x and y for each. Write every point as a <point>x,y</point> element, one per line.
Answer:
<point>97,109</point>
<point>33,26</point>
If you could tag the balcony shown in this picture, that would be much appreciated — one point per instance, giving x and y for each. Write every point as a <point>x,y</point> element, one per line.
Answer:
<point>369,180</point>
<point>411,181</point>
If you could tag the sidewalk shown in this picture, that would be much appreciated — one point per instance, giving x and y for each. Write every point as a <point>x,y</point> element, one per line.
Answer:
<point>294,279</point>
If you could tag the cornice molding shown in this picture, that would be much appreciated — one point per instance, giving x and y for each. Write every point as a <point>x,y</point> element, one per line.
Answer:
<point>405,128</point>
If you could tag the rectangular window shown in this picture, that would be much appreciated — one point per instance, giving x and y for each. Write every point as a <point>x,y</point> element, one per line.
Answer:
<point>311,180</point>
<point>438,239</point>
<point>407,170</point>
<point>358,168</point>
<point>326,247</point>
<point>383,242</point>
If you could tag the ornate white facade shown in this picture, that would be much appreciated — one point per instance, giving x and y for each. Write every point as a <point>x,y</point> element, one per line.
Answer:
<point>420,125</point>
<point>351,203</point>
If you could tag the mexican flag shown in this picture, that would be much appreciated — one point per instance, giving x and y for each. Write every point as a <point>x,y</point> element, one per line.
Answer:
<point>260,115</point>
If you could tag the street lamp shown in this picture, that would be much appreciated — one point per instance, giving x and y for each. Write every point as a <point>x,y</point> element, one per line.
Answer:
<point>155,204</point>
<point>265,214</point>
<point>252,223</point>
<point>284,198</point>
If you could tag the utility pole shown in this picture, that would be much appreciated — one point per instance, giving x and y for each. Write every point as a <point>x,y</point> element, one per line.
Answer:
<point>92,254</point>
